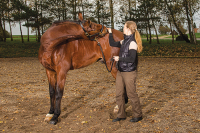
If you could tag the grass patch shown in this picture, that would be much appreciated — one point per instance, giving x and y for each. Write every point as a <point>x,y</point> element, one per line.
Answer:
<point>15,48</point>
<point>167,49</point>
<point>197,36</point>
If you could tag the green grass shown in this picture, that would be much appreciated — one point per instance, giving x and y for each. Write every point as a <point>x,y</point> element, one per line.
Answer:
<point>197,35</point>
<point>167,49</point>
<point>16,48</point>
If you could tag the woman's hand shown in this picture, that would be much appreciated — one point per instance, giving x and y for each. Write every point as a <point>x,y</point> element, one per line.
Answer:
<point>109,30</point>
<point>116,58</point>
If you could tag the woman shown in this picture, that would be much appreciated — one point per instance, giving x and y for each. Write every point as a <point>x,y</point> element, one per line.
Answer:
<point>127,66</point>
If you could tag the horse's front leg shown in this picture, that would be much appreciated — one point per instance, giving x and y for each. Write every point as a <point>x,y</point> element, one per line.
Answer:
<point>58,96</point>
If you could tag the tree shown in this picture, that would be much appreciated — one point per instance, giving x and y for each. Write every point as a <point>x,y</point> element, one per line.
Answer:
<point>173,9</point>
<point>18,6</point>
<point>111,13</point>
<point>192,9</point>
<point>163,30</point>
<point>195,26</point>
<point>9,19</point>
<point>3,10</point>
<point>101,14</point>
<point>146,14</point>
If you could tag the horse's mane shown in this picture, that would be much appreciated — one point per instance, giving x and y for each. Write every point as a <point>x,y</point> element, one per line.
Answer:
<point>63,21</point>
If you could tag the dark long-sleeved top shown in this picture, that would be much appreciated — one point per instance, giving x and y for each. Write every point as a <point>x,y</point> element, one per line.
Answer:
<point>132,52</point>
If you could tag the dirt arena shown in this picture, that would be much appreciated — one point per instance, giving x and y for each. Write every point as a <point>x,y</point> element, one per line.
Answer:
<point>169,91</point>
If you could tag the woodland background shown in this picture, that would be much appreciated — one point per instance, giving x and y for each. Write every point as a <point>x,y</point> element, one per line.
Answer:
<point>151,16</point>
<point>168,87</point>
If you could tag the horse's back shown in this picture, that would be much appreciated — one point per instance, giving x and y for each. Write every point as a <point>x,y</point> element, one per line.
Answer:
<point>76,54</point>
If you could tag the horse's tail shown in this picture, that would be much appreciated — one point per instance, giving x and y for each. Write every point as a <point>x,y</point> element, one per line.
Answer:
<point>44,58</point>
<point>47,47</point>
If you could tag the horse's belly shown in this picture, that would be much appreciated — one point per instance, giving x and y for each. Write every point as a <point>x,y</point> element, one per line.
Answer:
<point>83,61</point>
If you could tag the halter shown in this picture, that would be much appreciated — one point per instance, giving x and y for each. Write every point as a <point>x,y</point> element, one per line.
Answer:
<point>112,60</point>
<point>88,35</point>
<point>98,43</point>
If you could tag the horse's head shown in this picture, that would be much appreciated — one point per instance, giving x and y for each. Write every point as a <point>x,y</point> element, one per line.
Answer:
<point>92,29</point>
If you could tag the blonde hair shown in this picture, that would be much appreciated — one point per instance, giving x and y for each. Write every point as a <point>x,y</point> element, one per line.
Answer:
<point>133,27</point>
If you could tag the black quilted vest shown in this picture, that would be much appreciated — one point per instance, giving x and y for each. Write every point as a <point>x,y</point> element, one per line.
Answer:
<point>124,52</point>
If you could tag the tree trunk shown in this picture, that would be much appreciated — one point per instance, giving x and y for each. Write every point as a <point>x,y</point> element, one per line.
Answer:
<point>103,15</point>
<point>98,9</point>
<point>4,30</point>
<point>149,27</point>
<point>10,31</point>
<point>74,9</point>
<point>21,31</point>
<point>156,32</point>
<point>28,32</point>
<point>58,10</point>
<point>38,27</point>
<point>129,7</point>
<point>194,36</point>
<point>36,35</point>
<point>1,28</point>
<point>171,31</point>
<point>82,8</point>
<point>41,19</point>
<point>11,38</point>
<point>175,24</point>
<point>112,15</point>
<point>186,4</point>
<point>27,23</point>
<point>39,35</point>
<point>147,33</point>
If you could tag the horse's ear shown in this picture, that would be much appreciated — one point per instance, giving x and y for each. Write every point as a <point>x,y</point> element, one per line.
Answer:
<point>80,16</point>
<point>89,22</point>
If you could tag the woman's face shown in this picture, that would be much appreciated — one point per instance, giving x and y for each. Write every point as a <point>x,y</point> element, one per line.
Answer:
<point>126,30</point>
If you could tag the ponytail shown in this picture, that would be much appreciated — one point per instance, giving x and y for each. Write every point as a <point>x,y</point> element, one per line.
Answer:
<point>139,41</point>
<point>133,27</point>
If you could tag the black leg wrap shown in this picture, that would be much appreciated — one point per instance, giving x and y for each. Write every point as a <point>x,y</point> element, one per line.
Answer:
<point>51,111</point>
<point>57,111</point>
<point>52,95</point>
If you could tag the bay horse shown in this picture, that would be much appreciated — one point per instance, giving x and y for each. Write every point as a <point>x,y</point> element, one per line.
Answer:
<point>61,31</point>
<point>76,54</point>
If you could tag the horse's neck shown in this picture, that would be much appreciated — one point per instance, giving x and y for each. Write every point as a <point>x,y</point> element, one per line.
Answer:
<point>117,35</point>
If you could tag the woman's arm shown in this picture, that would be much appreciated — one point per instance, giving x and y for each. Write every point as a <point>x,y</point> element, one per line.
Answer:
<point>132,53</point>
<point>112,41</point>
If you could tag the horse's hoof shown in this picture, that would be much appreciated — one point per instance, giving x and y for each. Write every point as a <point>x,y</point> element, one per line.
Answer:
<point>116,109</point>
<point>48,117</point>
<point>53,122</point>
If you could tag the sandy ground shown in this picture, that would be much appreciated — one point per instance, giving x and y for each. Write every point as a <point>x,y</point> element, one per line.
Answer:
<point>169,91</point>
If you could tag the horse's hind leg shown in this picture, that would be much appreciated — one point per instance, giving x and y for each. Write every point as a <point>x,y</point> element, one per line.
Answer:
<point>52,86</point>
<point>61,77</point>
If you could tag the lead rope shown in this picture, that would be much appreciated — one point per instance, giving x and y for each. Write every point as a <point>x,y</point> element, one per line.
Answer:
<point>98,43</point>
